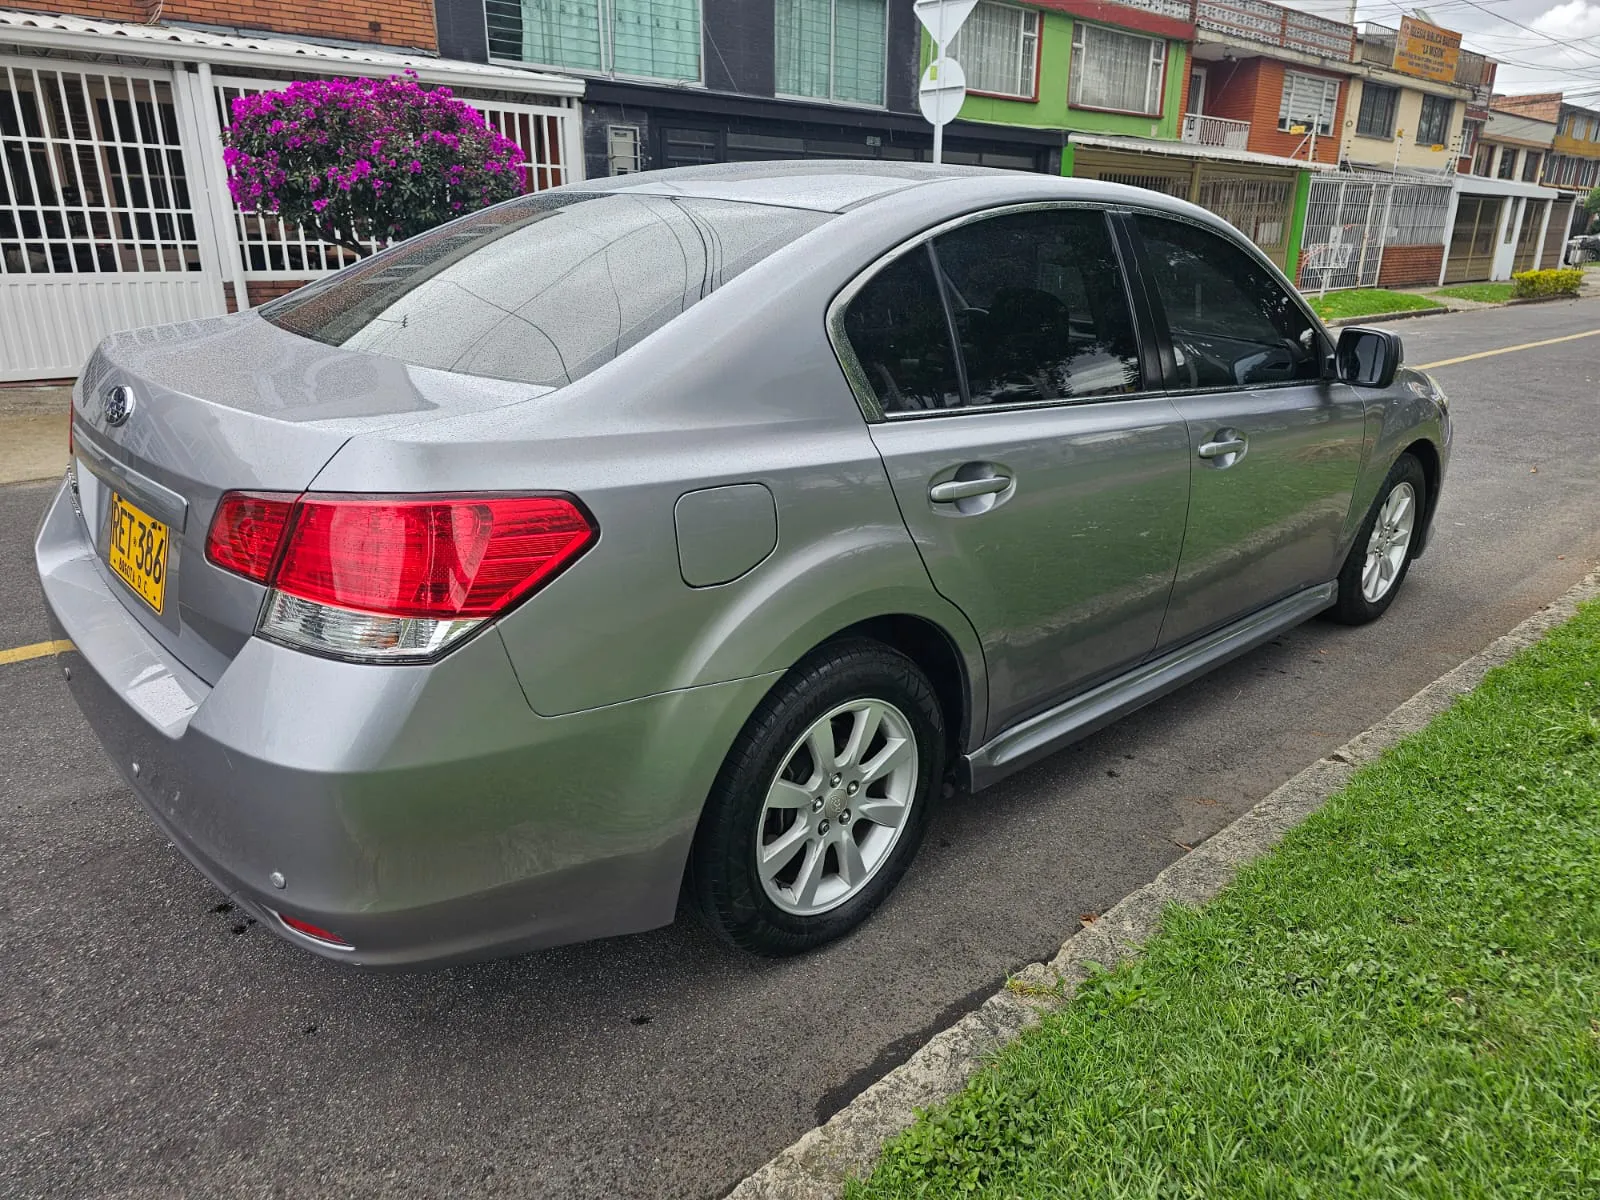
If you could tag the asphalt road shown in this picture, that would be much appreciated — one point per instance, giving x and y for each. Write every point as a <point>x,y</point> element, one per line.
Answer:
<point>153,1044</point>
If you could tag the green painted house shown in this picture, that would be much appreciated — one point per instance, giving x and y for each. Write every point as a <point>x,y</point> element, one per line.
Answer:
<point>1114,79</point>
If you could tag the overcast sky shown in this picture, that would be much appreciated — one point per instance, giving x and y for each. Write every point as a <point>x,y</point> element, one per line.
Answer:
<point>1558,51</point>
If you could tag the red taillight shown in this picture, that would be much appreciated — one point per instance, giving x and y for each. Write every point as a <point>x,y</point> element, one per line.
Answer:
<point>394,577</point>
<point>245,532</point>
<point>443,558</point>
<point>314,932</point>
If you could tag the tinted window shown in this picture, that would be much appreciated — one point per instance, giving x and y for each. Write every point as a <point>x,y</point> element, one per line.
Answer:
<point>1039,307</point>
<point>543,289</point>
<point>1231,322</point>
<point>898,330</point>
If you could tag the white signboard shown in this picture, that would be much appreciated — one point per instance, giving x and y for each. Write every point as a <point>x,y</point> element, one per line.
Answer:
<point>943,18</point>
<point>942,91</point>
<point>944,84</point>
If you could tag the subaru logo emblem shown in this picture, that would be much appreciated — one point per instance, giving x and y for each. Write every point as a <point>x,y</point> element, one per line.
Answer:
<point>117,404</point>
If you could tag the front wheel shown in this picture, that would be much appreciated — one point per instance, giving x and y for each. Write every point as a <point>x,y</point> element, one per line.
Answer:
<point>822,801</point>
<point>1381,555</point>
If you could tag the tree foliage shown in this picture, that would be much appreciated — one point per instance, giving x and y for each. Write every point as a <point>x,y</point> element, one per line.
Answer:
<point>360,160</point>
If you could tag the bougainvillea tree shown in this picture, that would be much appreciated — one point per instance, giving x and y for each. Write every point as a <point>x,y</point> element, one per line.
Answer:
<point>359,160</point>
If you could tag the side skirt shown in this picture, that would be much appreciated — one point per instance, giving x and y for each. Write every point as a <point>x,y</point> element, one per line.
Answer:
<point>1067,722</point>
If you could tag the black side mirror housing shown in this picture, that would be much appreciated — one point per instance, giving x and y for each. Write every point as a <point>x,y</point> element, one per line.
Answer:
<point>1368,357</point>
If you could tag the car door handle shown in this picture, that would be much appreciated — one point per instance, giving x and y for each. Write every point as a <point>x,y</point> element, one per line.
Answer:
<point>962,489</point>
<point>1233,445</point>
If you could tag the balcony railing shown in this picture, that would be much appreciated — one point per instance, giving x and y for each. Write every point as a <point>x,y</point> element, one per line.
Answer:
<point>1263,22</point>
<point>1200,130</point>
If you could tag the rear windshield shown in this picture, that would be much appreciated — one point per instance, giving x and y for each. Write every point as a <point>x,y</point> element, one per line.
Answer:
<point>543,289</point>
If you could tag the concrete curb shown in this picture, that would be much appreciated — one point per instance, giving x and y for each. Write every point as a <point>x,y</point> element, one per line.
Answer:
<point>818,1165</point>
<point>1405,314</point>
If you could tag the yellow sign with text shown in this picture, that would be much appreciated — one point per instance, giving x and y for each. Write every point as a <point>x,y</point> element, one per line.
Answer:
<point>1426,51</point>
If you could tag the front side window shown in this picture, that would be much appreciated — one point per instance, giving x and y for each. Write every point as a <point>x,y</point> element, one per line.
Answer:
<point>1232,324</point>
<point>1508,163</point>
<point>831,49</point>
<point>1117,71</point>
<point>1433,127</point>
<point>542,289</point>
<point>1037,305</point>
<point>652,39</point>
<point>1308,100</point>
<point>1376,118</point>
<point>1530,166</point>
<point>1482,159</point>
<point>998,48</point>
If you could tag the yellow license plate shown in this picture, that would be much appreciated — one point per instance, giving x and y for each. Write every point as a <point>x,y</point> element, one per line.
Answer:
<point>137,551</point>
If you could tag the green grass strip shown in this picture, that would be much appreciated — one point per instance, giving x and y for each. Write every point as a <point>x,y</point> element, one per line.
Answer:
<point>1488,293</point>
<point>1365,302</point>
<point>1402,1000</point>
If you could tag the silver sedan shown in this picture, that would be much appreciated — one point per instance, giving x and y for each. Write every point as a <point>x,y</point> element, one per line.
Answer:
<point>688,531</point>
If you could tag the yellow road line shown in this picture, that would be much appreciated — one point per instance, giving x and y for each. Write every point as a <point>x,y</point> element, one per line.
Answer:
<point>37,650</point>
<point>1450,362</point>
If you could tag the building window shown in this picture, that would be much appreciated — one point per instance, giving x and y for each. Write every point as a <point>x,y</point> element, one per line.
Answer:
<point>649,39</point>
<point>1308,100</point>
<point>1433,127</point>
<point>1530,166</point>
<point>998,49</point>
<point>1508,163</point>
<point>1470,132</point>
<point>1376,118</point>
<point>831,49</point>
<point>1117,71</point>
<point>1483,160</point>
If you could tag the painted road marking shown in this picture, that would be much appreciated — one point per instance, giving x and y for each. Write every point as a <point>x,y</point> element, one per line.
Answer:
<point>1450,362</point>
<point>37,650</point>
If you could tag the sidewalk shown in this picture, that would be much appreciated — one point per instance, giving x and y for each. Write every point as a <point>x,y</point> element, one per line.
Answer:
<point>33,432</point>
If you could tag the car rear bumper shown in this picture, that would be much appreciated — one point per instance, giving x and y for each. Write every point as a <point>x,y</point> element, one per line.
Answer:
<point>425,814</point>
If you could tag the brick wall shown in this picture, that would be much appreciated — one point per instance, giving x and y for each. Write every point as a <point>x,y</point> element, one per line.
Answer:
<point>1410,266</point>
<point>1252,90</point>
<point>391,22</point>
<point>260,291</point>
<point>105,10</point>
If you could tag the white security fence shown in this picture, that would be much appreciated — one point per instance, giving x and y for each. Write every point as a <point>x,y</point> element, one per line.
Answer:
<point>98,221</point>
<point>1353,218</point>
<point>114,210</point>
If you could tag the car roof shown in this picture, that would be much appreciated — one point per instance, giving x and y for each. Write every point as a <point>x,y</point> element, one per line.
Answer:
<point>838,185</point>
<point>824,185</point>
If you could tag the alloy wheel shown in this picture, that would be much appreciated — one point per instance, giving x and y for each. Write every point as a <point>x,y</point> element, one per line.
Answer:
<point>1389,543</point>
<point>836,807</point>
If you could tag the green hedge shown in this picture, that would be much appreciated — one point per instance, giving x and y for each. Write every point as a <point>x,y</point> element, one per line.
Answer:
<point>1564,281</point>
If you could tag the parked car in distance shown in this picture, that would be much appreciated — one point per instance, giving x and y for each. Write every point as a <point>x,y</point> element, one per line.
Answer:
<point>689,530</point>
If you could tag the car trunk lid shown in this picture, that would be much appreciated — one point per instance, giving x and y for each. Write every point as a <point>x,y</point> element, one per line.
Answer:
<point>166,420</point>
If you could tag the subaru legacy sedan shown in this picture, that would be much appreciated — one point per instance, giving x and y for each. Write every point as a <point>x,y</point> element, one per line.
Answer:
<point>687,532</point>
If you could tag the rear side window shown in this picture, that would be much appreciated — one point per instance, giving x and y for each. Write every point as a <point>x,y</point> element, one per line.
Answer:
<point>1232,323</point>
<point>1039,307</point>
<point>1035,302</point>
<point>543,289</point>
<point>898,330</point>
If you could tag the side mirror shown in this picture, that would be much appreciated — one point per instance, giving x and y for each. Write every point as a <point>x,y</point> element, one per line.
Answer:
<point>1368,357</point>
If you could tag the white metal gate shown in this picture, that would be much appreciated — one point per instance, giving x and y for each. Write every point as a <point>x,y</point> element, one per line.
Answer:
<point>1351,218</point>
<point>99,227</point>
<point>271,250</point>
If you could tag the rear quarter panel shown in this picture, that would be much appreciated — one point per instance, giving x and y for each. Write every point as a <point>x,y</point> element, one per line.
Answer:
<point>744,387</point>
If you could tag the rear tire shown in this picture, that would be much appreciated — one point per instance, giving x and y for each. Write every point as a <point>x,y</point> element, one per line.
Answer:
<point>793,849</point>
<point>1381,555</point>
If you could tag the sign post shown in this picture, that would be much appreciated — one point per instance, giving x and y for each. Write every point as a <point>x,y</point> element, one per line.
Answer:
<point>944,84</point>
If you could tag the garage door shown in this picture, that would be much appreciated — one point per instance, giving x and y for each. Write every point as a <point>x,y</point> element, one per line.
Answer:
<point>1471,255</point>
<point>1528,234</point>
<point>97,217</point>
<point>1556,239</point>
